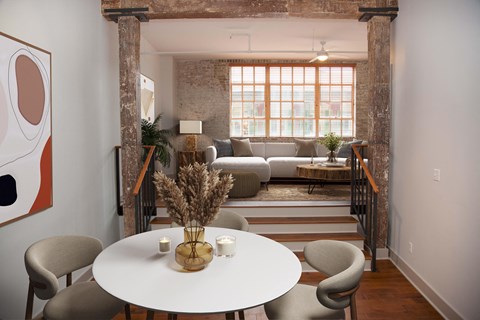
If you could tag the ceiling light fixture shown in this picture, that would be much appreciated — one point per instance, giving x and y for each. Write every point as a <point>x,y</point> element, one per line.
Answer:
<point>322,55</point>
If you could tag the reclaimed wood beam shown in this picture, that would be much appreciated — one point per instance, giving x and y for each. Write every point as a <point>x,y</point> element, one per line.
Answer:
<point>201,9</point>
<point>380,110</point>
<point>129,54</point>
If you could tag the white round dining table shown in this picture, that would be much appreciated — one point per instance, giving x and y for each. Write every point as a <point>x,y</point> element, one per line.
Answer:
<point>134,271</point>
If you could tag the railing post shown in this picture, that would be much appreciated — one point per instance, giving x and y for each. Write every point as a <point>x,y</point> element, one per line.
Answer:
<point>364,200</point>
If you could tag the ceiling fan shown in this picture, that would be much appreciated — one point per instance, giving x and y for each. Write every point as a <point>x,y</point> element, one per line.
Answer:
<point>322,55</point>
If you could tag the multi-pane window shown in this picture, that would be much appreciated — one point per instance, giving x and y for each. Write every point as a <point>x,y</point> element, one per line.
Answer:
<point>291,101</point>
<point>248,107</point>
<point>336,101</point>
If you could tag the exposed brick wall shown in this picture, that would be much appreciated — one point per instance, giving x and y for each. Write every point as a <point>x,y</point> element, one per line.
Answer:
<point>361,104</point>
<point>202,91</point>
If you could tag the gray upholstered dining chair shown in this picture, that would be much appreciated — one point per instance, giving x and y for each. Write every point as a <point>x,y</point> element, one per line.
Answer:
<point>227,219</point>
<point>343,263</point>
<point>230,220</point>
<point>49,259</point>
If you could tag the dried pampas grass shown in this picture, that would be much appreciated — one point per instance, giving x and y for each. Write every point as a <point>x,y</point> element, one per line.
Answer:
<point>197,197</point>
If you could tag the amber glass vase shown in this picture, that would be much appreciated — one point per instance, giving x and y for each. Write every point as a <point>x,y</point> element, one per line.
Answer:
<point>194,253</point>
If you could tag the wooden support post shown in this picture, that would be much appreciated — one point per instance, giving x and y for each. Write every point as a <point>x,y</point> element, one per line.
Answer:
<point>380,115</point>
<point>129,48</point>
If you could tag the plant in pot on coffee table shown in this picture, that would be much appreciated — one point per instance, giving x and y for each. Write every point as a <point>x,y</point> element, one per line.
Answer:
<point>332,142</point>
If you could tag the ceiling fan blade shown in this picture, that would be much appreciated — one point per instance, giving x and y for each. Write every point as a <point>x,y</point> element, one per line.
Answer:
<point>313,60</point>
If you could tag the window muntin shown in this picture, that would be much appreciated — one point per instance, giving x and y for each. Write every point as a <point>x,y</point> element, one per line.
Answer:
<point>291,101</point>
<point>247,92</point>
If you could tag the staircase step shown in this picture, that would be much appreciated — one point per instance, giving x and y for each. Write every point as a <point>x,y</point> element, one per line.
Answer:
<point>297,241</point>
<point>161,220</point>
<point>287,224</point>
<point>281,209</point>
<point>294,237</point>
<point>301,220</point>
<point>302,224</point>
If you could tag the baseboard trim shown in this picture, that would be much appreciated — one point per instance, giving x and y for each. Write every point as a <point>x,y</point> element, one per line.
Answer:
<point>383,254</point>
<point>435,300</point>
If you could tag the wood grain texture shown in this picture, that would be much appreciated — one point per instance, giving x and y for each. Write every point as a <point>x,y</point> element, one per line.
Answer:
<point>300,237</point>
<point>318,172</point>
<point>196,9</point>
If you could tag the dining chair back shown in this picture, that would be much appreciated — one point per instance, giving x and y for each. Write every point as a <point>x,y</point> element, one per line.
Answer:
<point>49,259</point>
<point>344,264</point>
<point>230,220</point>
<point>227,219</point>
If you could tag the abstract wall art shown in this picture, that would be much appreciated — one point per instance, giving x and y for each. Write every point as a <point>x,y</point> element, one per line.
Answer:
<point>25,130</point>
<point>147,98</point>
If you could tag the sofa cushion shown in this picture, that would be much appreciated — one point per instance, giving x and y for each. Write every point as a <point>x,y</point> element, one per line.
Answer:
<point>345,149</point>
<point>241,147</point>
<point>305,148</point>
<point>224,147</point>
<point>279,149</point>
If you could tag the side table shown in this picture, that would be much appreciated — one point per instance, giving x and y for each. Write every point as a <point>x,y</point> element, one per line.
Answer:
<point>190,157</point>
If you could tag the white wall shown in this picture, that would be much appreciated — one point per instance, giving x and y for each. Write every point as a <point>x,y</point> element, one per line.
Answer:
<point>161,70</point>
<point>436,115</point>
<point>85,128</point>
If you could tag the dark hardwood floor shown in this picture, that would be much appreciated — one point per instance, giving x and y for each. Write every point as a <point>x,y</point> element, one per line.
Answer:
<point>385,294</point>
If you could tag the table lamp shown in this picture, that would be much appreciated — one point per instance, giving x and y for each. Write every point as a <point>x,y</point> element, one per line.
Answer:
<point>191,128</point>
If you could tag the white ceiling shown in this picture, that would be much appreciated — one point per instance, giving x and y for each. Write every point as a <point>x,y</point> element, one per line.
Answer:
<point>282,38</point>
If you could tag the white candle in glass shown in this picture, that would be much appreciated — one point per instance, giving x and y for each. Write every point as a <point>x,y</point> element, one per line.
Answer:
<point>225,246</point>
<point>164,244</point>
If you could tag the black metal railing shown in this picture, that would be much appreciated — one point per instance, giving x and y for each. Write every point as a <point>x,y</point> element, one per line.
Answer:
<point>144,191</point>
<point>364,195</point>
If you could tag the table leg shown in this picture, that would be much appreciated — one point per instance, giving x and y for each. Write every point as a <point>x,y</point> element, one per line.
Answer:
<point>150,314</point>
<point>311,186</point>
<point>230,316</point>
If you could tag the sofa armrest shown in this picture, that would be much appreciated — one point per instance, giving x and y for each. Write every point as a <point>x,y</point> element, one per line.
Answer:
<point>210,155</point>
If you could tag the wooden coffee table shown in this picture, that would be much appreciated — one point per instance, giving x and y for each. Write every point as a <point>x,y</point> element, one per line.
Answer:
<point>318,173</point>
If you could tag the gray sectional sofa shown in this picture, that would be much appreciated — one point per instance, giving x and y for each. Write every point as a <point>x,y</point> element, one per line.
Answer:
<point>269,160</point>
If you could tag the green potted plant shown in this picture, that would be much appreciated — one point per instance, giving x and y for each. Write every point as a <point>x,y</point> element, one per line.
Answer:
<point>332,142</point>
<point>153,136</point>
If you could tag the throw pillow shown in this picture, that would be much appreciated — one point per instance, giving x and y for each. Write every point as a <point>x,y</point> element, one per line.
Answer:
<point>345,149</point>
<point>305,148</point>
<point>224,148</point>
<point>241,147</point>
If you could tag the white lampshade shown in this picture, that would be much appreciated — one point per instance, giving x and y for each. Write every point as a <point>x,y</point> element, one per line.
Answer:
<point>190,127</point>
